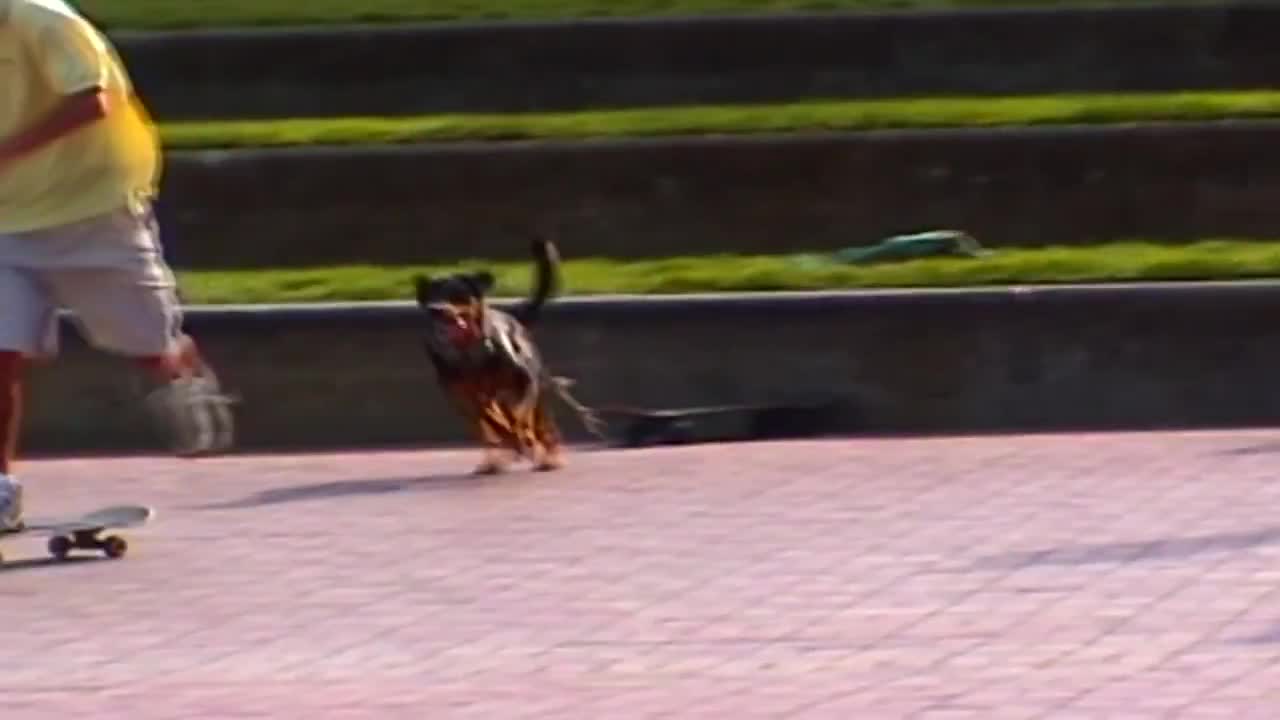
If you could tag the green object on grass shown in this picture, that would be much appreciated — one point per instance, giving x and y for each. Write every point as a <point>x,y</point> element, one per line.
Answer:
<point>934,243</point>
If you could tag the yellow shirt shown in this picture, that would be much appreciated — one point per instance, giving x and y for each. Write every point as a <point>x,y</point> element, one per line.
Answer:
<point>47,51</point>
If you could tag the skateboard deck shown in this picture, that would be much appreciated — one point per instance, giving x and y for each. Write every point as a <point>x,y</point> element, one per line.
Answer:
<point>82,532</point>
<point>719,423</point>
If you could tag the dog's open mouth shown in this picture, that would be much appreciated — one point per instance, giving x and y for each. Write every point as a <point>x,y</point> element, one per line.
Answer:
<point>461,332</point>
<point>454,327</point>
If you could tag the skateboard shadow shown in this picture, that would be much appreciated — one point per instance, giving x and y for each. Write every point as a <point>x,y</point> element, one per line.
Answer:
<point>346,488</point>
<point>1130,552</point>
<point>47,563</point>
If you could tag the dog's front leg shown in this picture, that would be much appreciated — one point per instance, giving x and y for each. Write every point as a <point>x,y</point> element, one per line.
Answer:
<point>496,434</point>
<point>486,422</point>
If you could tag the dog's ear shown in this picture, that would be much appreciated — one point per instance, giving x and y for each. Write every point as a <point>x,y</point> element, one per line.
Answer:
<point>421,284</point>
<point>482,281</point>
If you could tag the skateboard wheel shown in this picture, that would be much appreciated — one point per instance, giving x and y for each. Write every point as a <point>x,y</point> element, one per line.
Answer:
<point>60,547</point>
<point>115,547</point>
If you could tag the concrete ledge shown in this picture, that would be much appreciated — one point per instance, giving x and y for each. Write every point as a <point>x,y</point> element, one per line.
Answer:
<point>598,63</point>
<point>1036,358</point>
<point>754,194</point>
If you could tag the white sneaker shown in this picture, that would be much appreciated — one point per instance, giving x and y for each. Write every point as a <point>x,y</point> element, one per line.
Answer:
<point>194,414</point>
<point>10,504</point>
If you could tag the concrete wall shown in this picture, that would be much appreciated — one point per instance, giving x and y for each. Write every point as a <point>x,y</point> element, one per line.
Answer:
<point>540,66</point>
<point>962,361</point>
<point>776,194</point>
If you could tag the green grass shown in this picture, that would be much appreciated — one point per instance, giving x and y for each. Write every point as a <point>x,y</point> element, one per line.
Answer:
<point>809,116</point>
<point>165,14</point>
<point>1116,262</point>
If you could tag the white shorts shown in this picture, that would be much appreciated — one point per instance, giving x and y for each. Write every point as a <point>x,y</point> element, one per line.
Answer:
<point>109,270</point>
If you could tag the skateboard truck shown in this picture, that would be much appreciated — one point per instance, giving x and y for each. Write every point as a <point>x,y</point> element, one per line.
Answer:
<point>113,546</point>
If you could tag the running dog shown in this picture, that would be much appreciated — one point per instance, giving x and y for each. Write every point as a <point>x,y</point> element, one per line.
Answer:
<point>489,367</point>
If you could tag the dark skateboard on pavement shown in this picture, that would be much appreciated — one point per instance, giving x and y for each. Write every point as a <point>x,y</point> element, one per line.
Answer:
<point>642,427</point>
<point>83,532</point>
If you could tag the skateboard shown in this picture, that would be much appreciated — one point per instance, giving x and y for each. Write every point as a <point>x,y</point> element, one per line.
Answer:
<point>720,423</point>
<point>83,532</point>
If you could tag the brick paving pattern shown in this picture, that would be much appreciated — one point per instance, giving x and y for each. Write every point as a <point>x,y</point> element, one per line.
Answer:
<point>1066,576</point>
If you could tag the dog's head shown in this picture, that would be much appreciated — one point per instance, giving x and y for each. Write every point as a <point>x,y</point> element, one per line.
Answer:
<point>455,305</point>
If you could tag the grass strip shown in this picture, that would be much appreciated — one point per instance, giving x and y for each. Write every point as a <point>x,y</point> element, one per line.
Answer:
<point>811,116</point>
<point>172,14</point>
<point>1213,259</point>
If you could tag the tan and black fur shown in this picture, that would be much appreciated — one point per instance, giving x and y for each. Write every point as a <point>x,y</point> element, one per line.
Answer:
<point>489,366</point>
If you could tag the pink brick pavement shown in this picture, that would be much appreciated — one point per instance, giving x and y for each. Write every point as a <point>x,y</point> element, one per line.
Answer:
<point>1075,576</point>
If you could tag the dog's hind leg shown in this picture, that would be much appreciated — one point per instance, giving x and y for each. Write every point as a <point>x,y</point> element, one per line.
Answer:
<point>548,439</point>
<point>521,406</point>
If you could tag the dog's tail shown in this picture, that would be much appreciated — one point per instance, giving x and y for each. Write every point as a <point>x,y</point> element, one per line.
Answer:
<point>590,420</point>
<point>546,281</point>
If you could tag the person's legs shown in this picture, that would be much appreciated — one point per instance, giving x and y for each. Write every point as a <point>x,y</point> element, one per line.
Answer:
<point>27,323</point>
<point>124,296</point>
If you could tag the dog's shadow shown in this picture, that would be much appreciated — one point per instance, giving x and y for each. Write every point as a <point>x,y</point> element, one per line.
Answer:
<point>1176,548</point>
<point>1270,636</point>
<point>347,488</point>
<point>1269,448</point>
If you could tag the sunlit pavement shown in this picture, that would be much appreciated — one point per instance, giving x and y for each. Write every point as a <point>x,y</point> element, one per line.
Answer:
<point>1133,575</point>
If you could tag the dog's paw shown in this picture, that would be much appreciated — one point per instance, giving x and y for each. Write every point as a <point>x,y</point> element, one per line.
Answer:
<point>549,462</point>
<point>495,462</point>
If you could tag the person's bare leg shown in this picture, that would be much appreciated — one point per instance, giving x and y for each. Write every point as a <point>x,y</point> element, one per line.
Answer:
<point>184,361</point>
<point>188,402</point>
<point>10,409</point>
<point>10,427</point>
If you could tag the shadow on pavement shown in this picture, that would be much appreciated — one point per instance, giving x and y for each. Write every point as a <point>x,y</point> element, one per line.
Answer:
<point>47,563</point>
<point>1263,449</point>
<point>342,488</point>
<point>1127,552</point>
<point>1270,637</point>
